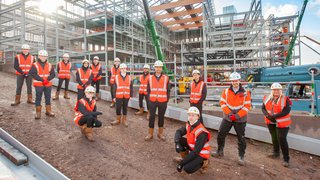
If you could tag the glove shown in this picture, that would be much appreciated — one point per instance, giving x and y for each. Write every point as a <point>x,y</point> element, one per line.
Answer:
<point>179,148</point>
<point>232,117</point>
<point>45,82</point>
<point>25,75</point>
<point>179,168</point>
<point>83,85</point>
<point>96,113</point>
<point>95,79</point>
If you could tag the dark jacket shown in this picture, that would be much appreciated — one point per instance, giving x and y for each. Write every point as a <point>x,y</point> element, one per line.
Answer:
<point>79,80</point>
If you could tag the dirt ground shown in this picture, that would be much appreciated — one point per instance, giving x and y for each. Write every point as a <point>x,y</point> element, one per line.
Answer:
<point>122,153</point>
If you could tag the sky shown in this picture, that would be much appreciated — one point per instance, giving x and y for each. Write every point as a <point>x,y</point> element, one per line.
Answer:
<point>310,25</point>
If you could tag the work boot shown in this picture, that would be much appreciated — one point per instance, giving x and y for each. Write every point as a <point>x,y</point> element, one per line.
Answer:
<point>83,128</point>
<point>140,112</point>
<point>274,155</point>
<point>205,166</point>
<point>38,112</point>
<point>285,164</point>
<point>178,159</point>
<point>17,100</point>
<point>89,134</point>
<point>30,100</point>
<point>56,97</point>
<point>241,161</point>
<point>148,115</point>
<point>117,121</point>
<point>97,96</point>
<point>150,135</point>
<point>160,134</point>
<point>124,120</point>
<point>218,153</point>
<point>66,95</point>
<point>112,104</point>
<point>48,111</point>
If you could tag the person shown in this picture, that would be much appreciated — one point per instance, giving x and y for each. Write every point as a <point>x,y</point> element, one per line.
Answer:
<point>86,113</point>
<point>158,89</point>
<point>22,64</point>
<point>114,71</point>
<point>84,78</point>
<point>198,92</point>
<point>235,103</point>
<point>143,90</point>
<point>276,109</point>
<point>97,72</point>
<point>64,74</point>
<point>42,73</point>
<point>123,89</point>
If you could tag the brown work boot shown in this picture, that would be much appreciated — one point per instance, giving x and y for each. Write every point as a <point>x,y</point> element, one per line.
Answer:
<point>17,100</point>
<point>89,134</point>
<point>160,134</point>
<point>140,112</point>
<point>48,111</point>
<point>30,100</point>
<point>38,112</point>
<point>66,95</point>
<point>117,121</point>
<point>124,120</point>
<point>83,128</point>
<point>178,159</point>
<point>150,135</point>
<point>97,96</point>
<point>148,115</point>
<point>112,104</point>
<point>56,97</point>
<point>205,166</point>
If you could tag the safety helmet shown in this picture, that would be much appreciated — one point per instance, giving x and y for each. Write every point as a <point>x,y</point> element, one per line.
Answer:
<point>123,66</point>
<point>65,55</point>
<point>43,53</point>
<point>116,59</point>
<point>90,89</point>
<point>158,64</point>
<point>276,86</point>
<point>85,61</point>
<point>25,46</point>
<point>146,66</point>
<point>193,110</point>
<point>195,72</point>
<point>234,76</point>
<point>96,57</point>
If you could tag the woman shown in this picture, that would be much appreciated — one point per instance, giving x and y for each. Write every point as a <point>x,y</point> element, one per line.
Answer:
<point>84,78</point>
<point>276,109</point>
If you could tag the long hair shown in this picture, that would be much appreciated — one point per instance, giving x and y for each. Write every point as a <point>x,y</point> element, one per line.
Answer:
<point>271,97</point>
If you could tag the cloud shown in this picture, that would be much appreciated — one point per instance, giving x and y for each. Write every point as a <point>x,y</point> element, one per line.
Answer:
<point>281,10</point>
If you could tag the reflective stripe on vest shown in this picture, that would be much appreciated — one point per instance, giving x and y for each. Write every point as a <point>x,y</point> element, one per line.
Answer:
<point>123,86</point>
<point>78,114</point>
<point>273,109</point>
<point>64,70</point>
<point>84,77</point>
<point>24,64</point>
<point>114,72</point>
<point>192,138</point>
<point>158,89</point>
<point>44,73</point>
<point>143,84</point>
<point>95,70</point>
<point>196,92</point>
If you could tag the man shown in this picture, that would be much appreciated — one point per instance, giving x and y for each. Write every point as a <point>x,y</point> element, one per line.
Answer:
<point>194,149</point>
<point>97,72</point>
<point>113,72</point>
<point>22,64</point>
<point>198,92</point>
<point>158,89</point>
<point>42,73</point>
<point>123,89</point>
<point>235,102</point>
<point>64,74</point>
<point>144,78</point>
<point>84,78</point>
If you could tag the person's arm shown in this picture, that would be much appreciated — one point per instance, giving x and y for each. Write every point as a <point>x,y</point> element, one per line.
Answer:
<point>286,110</point>
<point>203,93</point>
<point>179,134</point>
<point>223,103</point>
<point>114,89</point>
<point>83,110</point>
<point>131,88</point>
<point>247,105</point>
<point>52,74</point>
<point>78,78</point>
<point>264,110</point>
<point>148,90</point>
<point>34,73</point>
<point>16,65</point>
<point>168,90</point>
<point>58,68</point>
<point>89,80</point>
<point>100,72</point>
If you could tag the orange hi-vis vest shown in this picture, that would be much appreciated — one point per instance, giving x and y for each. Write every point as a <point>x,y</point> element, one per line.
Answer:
<point>158,89</point>
<point>196,92</point>
<point>88,107</point>
<point>84,77</point>
<point>95,70</point>
<point>143,84</point>
<point>24,64</point>
<point>44,73</point>
<point>114,72</point>
<point>275,108</point>
<point>64,70</point>
<point>192,138</point>
<point>123,87</point>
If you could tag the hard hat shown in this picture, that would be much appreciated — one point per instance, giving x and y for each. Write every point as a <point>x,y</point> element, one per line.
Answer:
<point>276,86</point>
<point>65,55</point>
<point>193,110</point>
<point>234,76</point>
<point>25,46</point>
<point>158,64</point>
<point>90,89</point>
<point>43,53</point>
<point>195,72</point>
<point>146,66</point>
<point>123,66</point>
<point>116,59</point>
<point>85,61</point>
<point>96,57</point>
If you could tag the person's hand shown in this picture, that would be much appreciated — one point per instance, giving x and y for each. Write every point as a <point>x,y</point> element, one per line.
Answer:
<point>95,79</point>
<point>114,99</point>
<point>25,75</point>
<point>232,117</point>
<point>272,119</point>
<point>179,168</point>
<point>45,82</point>
<point>179,148</point>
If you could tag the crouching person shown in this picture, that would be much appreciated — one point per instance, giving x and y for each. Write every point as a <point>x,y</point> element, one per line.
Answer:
<point>194,149</point>
<point>86,113</point>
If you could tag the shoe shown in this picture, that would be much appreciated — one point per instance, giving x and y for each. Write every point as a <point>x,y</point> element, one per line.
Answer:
<point>150,135</point>
<point>16,101</point>
<point>117,121</point>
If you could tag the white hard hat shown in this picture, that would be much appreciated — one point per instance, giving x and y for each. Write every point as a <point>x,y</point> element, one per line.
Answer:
<point>90,89</point>
<point>43,53</point>
<point>116,59</point>
<point>123,66</point>
<point>25,46</point>
<point>276,86</point>
<point>85,61</point>
<point>96,57</point>
<point>66,55</point>
<point>193,110</point>
<point>158,64</point>
<point>234,76</point>
<point>146,66</point>
<point>195,72</point>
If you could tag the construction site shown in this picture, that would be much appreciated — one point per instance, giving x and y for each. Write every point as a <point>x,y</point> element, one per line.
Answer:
<point>185,35</point>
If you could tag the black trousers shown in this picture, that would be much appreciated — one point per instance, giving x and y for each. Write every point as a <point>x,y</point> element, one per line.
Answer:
<point>162,107</point>
<point>122,104</point>
<point>90,120</point>
<point>111,92</point>
<point>80,93</point>
<point>97,85</point>
<point>141,96</point>
<point>20,80</point>
<point>199,106</point>
<point>47,94</point>
<point>66,84</point>
<point>279,139</point>
<point>224,129</point>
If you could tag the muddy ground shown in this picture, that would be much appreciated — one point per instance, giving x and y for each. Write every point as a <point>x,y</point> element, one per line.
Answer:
<point>122,153</point>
